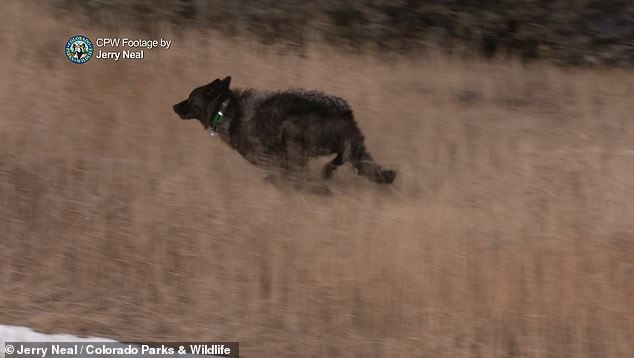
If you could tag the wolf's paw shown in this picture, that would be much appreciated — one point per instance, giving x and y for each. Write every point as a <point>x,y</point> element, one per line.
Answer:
<point>388,176</point>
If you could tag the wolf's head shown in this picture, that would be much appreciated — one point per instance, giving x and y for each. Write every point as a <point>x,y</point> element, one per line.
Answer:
<point>204,101</point>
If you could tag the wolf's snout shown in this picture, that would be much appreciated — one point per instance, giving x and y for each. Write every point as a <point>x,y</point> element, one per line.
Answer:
<point>182,110</point>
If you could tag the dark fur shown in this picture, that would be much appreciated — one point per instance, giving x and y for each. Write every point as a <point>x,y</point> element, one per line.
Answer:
<point>284,129</point>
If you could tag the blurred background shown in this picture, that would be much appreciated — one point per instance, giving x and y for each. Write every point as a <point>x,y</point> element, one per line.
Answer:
<point>570,32</point>
<point>507,234</point>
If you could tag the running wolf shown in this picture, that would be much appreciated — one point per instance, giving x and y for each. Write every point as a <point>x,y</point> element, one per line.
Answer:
<point>283,130</point>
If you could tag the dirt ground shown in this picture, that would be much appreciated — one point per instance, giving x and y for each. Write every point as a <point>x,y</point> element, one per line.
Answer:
<point>508,233</point>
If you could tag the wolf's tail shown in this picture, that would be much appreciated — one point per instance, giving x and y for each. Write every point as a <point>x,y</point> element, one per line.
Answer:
<point>366,166</point>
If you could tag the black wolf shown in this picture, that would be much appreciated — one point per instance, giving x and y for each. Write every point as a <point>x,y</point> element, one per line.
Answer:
<point>283,130</point>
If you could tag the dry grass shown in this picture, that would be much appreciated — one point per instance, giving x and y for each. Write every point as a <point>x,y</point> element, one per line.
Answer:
<point>509,232</point>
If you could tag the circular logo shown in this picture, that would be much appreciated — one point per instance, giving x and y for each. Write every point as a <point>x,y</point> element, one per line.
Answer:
<point>79,49</point>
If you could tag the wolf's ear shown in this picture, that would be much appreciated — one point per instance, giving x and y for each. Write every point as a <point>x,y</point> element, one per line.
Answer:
<point>212,84</point>
<point>226,82</point>
<point>211,87</point>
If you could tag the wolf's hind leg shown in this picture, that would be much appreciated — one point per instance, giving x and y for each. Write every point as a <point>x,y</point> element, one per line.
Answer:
<point>374,172</point>
<point>332,166</point>
<point>365,166</point>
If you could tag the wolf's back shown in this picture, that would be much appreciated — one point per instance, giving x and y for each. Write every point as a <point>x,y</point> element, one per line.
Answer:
<point>299,101</point>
